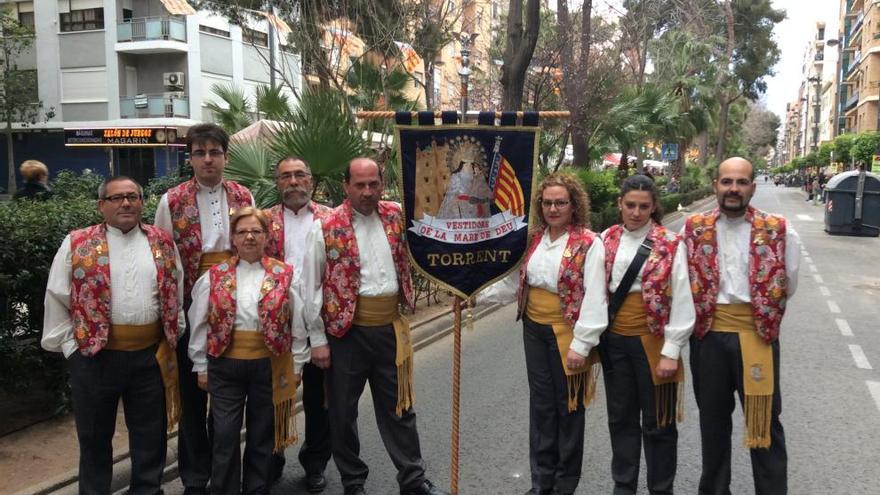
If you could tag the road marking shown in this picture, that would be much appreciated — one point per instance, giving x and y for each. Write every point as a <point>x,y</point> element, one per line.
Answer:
<point>807,218</point>
<point>833,307</point>
<point>818,278</point>
<point>859,357</point>
<point>824,290</point>
<point>804,252</point>
<point>807,259</point>
<point>874,389</point>
<point>844,328</point>
<point>813,268</point>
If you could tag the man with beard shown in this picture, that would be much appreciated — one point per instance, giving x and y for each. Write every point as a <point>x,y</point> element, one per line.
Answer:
<point>355,275</point>
<point>743,266</point>
<point>289,223</point>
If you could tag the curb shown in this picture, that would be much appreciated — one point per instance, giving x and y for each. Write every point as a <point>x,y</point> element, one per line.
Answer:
<point>425,333</point>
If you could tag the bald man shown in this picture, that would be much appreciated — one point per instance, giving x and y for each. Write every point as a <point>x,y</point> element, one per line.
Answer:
<point>743,266</point>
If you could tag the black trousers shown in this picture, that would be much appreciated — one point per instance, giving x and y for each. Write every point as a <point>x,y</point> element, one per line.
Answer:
<point>716,365</point>
<point>241,388</point>
<point>193,432</point>
<point>632,421</point>
<point>556,436</point>
<point>316,449</point>
<point>97,384</point>
<point>368,354</point>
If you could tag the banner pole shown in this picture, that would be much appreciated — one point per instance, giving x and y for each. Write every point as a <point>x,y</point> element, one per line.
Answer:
<point>372,115</point>
<point>456,391</point>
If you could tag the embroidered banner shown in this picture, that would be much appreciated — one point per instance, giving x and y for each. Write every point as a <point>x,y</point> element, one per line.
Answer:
<point>466,195</point>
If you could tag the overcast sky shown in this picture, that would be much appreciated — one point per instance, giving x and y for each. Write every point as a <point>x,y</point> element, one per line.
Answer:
<point>792,36</point>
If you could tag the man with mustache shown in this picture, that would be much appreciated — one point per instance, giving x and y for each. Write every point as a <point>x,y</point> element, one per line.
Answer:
<point>196,213</point>
<point>743,266</point>
<point>289,222</point>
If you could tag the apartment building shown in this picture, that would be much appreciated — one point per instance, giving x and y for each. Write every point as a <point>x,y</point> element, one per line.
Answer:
<point>859,95</point>
<point>127,78</point>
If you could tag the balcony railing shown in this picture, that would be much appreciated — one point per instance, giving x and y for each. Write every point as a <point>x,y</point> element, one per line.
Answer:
<point>857,24</point>
<point>857,57</point>
<point>154,105</point>
<point>152,28</point>
<point>851,102</point>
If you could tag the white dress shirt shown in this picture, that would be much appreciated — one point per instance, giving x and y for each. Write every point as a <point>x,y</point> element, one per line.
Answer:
<point>213,217</point>
<point>543,272</point>
<point>378,275</point>
<point>248,283</point>
<point>734,241</point>
<point>296,229</point>
<point>682,314</point>
<point>133,283</point>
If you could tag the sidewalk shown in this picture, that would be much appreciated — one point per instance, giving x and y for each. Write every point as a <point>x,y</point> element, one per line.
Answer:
<point>43,458</point>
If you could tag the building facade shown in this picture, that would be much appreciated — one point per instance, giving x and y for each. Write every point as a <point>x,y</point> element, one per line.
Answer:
<point>126,79</point>
<point>859,96</point>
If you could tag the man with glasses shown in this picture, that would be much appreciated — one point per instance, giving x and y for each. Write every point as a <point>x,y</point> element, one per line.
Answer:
<point>356,272</point>
<point>114,309</point>
<point>196,213</point>
<point>289,222</point>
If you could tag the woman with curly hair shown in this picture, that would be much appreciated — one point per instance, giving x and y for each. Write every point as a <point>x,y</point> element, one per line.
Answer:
<point>563,267</point>
<point>653,315</point>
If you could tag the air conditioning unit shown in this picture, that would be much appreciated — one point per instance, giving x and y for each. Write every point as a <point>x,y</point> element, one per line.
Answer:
<point>173,80</point>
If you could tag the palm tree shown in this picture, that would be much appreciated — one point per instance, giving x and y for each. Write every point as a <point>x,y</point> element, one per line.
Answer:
<point>235,115</point>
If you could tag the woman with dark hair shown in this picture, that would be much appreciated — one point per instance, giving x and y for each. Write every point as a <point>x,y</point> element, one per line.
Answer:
<point>563,267</point>
<point>651,315</point>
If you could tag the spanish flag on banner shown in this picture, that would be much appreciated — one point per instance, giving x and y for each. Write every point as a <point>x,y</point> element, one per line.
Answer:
<point>508,191</point>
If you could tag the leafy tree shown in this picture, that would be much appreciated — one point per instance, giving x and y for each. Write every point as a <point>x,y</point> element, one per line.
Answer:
<point>522,36</point>
<point>864,147</point>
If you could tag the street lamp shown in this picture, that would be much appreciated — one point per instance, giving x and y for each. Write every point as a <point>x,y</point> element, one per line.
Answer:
<point>466,40</point>
<point>817,107</point>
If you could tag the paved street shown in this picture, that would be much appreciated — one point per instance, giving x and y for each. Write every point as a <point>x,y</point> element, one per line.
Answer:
<point>831,393</point>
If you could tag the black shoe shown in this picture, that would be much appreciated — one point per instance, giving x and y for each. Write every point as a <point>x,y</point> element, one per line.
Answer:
<point>540,491</point>
<point>277,468</point>
<point>355,490</point>
<point>426,488</point>
<point>195,491</point>
<point>315,483</point>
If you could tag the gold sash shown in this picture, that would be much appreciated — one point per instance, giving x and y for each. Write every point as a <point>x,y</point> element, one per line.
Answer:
<point>208,260</point>
<point>139,337</point>
<point>758,377</point>
<point>631,321</point>
<point>544,307</point>
<point>380,311</point>
<point>248,345</point>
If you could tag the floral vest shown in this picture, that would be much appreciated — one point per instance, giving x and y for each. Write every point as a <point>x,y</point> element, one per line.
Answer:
<point>656,272</point>
<point>767,278</point>
<point>275,242</point>
<point>274,304</point>
<point>186,224</point>
<point>343,268</point>
<point>570,286</point>
<point>90,285</point>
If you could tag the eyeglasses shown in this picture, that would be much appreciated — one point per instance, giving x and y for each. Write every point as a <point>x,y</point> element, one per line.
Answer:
<point>245,233</point>
<point>558,203</point>
<point>214,153</point>
<point>296,175</point>
<point>117,199</point>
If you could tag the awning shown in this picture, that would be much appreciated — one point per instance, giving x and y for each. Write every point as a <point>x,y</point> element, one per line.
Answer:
<point>261,130</point>
<point>178,7</point>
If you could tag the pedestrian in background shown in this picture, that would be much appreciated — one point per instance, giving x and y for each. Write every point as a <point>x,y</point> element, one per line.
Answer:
<point>560,289</point>
<point>743,266</point>
<point>652,316</point>
<point>36,181</point>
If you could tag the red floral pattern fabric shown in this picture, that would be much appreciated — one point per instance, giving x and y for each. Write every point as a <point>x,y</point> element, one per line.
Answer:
<point>768,281</point>
<point>275,242</point>
<point>90,285</point>
<point>570,286</point>
<point>274,306</point>
<point>342,270</point>
<point>656,272</point>
<point>187,226</point>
